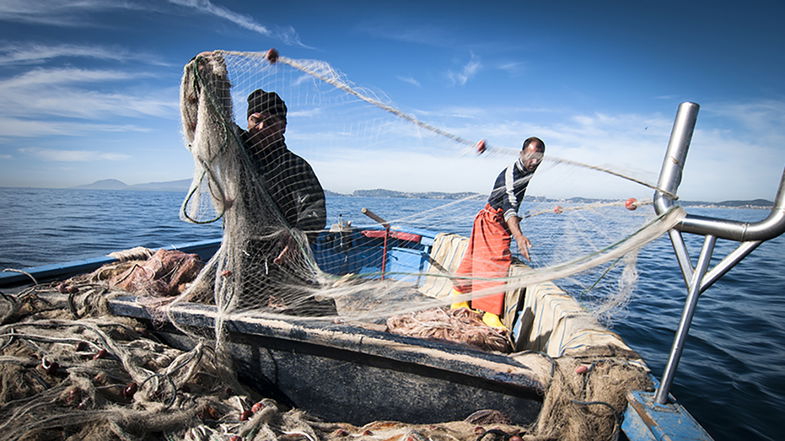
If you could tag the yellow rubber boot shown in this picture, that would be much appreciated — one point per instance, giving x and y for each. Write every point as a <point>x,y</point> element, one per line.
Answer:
<point>458,305</point>
<point>492,320</point>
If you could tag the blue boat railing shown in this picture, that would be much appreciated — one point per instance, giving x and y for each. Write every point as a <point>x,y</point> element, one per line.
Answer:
<point>44,273</point>
<point>358,251</point>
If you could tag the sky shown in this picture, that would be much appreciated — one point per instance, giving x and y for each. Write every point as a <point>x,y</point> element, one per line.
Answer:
<point>89,89</point>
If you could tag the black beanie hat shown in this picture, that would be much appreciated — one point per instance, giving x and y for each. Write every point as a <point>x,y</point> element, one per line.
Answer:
<point>269,102</point>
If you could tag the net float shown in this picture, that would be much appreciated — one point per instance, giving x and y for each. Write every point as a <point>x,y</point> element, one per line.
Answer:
<point>272,55</point>
<point>73,396</point>
<point>480,147</point>
<point>130,390</point>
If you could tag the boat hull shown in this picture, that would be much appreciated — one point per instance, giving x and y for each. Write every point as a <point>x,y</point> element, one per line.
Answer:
<point>358,375</point>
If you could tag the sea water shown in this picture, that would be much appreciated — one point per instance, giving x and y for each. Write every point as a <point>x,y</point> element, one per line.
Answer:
<point>731,376</point>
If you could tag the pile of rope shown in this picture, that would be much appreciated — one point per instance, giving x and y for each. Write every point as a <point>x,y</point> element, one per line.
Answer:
<point>456,325</point>
<point>79,373</point>
<point>586,397</point>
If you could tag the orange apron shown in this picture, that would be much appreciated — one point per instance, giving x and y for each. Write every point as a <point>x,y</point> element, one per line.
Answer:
<point>488,256</point>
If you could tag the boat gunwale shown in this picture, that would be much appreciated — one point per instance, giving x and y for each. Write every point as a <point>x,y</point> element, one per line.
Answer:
<point>497,368</point>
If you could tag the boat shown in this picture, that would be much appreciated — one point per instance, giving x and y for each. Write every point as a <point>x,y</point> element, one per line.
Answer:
<point>361,373</point>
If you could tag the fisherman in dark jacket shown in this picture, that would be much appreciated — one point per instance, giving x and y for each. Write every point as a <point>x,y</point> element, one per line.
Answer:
<point>288,182</point>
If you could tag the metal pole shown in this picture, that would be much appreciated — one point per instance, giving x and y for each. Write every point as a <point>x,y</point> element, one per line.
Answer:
<point>682,256</point>
<point>693,294</point>
<point>384,249</point>
<point>727,263</point>
<point>673,164</point>
<point>386,226</point>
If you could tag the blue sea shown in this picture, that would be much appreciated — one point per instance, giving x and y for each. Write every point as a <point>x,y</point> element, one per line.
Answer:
<point>731,376</point>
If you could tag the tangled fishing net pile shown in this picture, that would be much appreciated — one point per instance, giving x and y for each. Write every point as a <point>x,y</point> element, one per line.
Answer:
<point>72,371</point>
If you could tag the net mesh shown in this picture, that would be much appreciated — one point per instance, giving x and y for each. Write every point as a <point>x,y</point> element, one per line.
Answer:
<point>289,250</point>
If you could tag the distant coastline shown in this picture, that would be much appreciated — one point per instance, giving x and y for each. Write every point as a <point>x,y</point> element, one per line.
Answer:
<point>182,185</point>
<point>116,184</point>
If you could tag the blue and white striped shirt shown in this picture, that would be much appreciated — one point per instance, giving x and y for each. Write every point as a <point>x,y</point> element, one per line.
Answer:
<point>509,189</point>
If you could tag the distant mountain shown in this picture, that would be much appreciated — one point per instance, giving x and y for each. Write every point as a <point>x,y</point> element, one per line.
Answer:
<point>180,185</point>
<point>753,203</point>
<point>382,193</point>
<point>105,184</point>
<point>115,184</point>
<point>332,193</point>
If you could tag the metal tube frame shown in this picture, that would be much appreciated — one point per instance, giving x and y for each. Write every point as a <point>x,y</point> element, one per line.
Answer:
<point>700,278</point>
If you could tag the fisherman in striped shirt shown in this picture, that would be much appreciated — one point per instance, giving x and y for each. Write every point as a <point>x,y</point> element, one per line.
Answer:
<point>488,255</point>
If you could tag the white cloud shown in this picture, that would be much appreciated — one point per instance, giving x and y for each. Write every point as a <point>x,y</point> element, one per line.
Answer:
<point>73,13</point>
<point>723,164</point>
<point>19,53</point>
<point>305,113</point>
<point>19,128</point>
<point>73,155</point>
<point>58,12</point>
<point>429,34</point>
<point>4,156</point>
<point>302,79</point>
<point>409,80</point>
<point>763,119</point>
<point>468,71</point>
<point>54,77</point>
<point>412,171</point>
<point>43,93</point>
<point>287,34</point>
<point>465,112</point>
<point>512,67</point>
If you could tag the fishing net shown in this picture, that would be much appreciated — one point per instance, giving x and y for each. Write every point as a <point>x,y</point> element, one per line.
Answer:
<point>289,250</point>
<point>76,372</point>
<point>370,229</point>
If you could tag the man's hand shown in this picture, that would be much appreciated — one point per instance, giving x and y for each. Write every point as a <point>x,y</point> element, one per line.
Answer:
<point>523,245</point>
<point>282,255</point>
<point>514,223</point>
<point>289,245</point>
